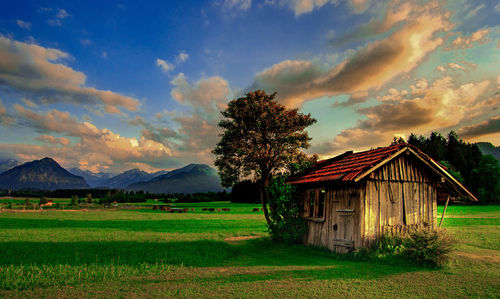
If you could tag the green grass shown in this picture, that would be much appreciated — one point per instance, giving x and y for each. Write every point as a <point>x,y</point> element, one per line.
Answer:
<point>141,252</point>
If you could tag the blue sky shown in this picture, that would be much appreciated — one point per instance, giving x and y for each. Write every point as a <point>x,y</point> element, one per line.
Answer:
<point>109,86</point>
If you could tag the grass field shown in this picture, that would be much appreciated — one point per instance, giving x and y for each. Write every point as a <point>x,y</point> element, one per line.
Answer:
<point>146,253</point>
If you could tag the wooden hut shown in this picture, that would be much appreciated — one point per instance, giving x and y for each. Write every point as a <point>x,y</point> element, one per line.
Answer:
<point>351,199</point>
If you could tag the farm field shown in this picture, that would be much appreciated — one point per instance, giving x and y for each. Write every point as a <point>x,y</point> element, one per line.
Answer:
<point>141,252</point>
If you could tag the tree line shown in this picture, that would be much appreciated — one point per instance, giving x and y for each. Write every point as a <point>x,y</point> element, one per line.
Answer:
<point>479,173</point>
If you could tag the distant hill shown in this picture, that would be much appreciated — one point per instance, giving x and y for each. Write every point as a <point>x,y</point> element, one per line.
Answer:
<point>128,177</point>
<point>8,164</point>
<point>43,174</point>
<point>93,179</point>
<point>489,149</point>
<point>190,179</point>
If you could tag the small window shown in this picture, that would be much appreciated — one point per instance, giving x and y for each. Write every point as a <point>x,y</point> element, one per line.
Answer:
<point>312,199</point>
<point>315,204</point>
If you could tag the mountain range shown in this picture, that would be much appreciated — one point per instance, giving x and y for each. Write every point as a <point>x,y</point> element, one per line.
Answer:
<point>43,174</point>
<point>47,174</point>
<point>128,177</point>
<point>189,179</point>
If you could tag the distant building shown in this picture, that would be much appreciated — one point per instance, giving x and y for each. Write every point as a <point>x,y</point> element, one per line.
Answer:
<point>351,199</point>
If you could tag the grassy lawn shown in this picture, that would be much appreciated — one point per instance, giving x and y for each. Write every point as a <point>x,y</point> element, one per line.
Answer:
<point>146,253</point>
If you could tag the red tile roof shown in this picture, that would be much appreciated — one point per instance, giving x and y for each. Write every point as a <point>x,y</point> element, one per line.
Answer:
<point>351,167</point>
<point>346,167</point>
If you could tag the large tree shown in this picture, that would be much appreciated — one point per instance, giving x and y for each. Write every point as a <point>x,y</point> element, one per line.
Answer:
<point>260,138</point>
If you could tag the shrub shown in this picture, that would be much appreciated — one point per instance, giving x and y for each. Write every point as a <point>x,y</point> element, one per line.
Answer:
<point>89,198</point>
<point>427,247</point>
<point>74,200</point>
<point>387,245</point>
<point>286,224</point>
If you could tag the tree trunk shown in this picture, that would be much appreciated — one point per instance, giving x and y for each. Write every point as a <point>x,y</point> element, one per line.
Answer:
<point>264,197</point>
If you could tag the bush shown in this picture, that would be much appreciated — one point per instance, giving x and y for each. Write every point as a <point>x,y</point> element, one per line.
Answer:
<point>74,200</point>
<point>286,224</point>
<point>427,247</point>
<point>387,245</point>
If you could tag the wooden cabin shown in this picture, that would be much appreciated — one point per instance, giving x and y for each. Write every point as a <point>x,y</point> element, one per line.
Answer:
<point>351,199</point>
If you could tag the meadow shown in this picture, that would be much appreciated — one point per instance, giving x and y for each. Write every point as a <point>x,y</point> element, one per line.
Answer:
<point>135,251</point>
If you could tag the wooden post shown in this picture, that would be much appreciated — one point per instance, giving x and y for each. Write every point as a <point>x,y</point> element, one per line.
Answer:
<point>444,211</point>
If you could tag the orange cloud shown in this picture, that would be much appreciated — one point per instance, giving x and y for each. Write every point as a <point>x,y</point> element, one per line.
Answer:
<point>36,71</point>
<point>369,69</point>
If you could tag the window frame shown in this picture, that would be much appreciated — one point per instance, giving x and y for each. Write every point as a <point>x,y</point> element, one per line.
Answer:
<point>312,208</point>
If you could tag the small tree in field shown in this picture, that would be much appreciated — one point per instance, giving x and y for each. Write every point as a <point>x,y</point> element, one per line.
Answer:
<point>260,138</point>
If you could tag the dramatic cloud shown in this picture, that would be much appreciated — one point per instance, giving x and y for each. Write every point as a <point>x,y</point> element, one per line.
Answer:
<point>198,130</point>
<point>370,68</point>
<point>486,127</point>
<point>23,24</point>
<point>102,146</point>
<point>37,72</point>
<point>422,108</point>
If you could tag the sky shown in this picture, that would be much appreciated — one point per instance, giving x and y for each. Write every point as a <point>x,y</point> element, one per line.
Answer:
<point>109,86</point>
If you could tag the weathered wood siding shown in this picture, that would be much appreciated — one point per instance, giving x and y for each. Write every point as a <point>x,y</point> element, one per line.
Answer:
<point>341,224</point>
<point>399,195</point>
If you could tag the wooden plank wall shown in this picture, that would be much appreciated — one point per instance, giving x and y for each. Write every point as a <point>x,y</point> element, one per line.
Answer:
<point>400,193</point>
<point>338,205</point>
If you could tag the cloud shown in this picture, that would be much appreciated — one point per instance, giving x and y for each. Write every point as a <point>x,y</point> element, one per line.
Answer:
<point>360,5</point>
<point>486,127</point>
<point>101,148</point>
<point>57,20</point>
<point>5,119</point>
<point>209,95</point>
<point>29,103</point>
<point>197,129</point>
<point>164,65</point>
<point>465,42</point>
<point>474,11</point>
<point>39,73</point>
<point>23,24</point>
<point>182,57</point>
<point>369,69</point>
<point>53,140</point>
<point>237,4</point>
<point>85,42</point>
<point>422,108</point>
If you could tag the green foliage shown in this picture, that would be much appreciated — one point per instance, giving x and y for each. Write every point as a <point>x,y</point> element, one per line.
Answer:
<point>259,137</point>
<point>452,170</point>
<point>387,245</point>
<point>74,200</point>
<point>286,224</point>
<point>463,160</point>
<point>487,179</point>
<point>427,247</point>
